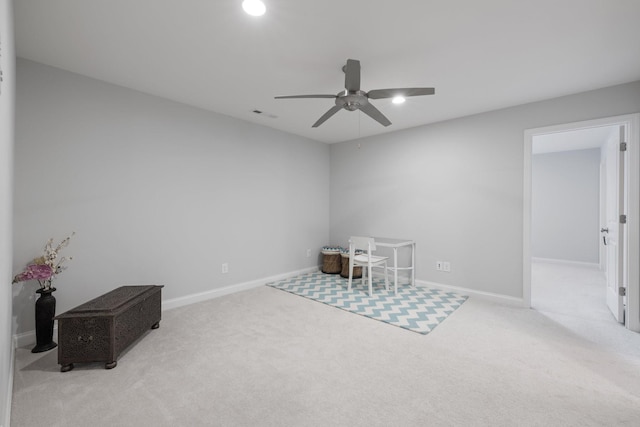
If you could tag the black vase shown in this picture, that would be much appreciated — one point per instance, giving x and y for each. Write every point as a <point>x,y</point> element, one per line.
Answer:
<point>45,312</point>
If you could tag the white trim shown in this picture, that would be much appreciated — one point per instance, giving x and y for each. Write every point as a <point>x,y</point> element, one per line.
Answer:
<point>487,296</point>
<point>632,122</point>
<point>594,265</point>
<point>7,404</point>
<point>526,219</point>
<point>29,338</point>
<point>218,292</point>
<point>633,222</point>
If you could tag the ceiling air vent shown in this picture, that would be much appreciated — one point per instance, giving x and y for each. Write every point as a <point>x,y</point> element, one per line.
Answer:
<point>262,113</point>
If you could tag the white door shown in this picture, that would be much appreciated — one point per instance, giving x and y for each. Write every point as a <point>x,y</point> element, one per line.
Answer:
<point>613,233</point>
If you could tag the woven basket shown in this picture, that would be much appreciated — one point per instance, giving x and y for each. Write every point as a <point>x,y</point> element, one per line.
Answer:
<point>331,262</point>
<point>357,269</point>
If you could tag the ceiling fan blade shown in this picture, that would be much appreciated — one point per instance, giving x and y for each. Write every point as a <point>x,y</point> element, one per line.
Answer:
<point>326,115</point>
<point>375,114</point>
<point>306,96</point>
<point>407,91</point>
<point>352,75</point>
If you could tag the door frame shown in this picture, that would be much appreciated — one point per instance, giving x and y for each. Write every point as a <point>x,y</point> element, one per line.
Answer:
<point>632,194</point>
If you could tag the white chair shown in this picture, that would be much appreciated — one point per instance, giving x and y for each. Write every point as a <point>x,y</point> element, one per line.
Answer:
<point>366,259</point>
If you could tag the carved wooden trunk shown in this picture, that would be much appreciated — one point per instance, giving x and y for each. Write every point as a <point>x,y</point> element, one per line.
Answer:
<point>99,330</point>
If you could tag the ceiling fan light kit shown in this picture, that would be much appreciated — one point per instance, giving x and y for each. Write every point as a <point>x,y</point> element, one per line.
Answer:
<point>352,98</point>
<point>254,7</point>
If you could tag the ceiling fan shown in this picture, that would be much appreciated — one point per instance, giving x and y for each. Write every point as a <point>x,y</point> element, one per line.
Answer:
<point>352,98</point>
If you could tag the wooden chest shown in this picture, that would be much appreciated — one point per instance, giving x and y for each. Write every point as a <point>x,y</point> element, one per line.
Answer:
<point>99,330</point>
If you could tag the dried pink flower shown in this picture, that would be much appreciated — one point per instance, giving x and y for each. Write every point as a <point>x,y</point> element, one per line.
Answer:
<point>45,268</point>
<point>35,272</point>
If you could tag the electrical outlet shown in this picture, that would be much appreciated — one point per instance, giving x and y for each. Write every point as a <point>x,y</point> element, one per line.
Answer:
<point>225,267</point>
<point>308,253</point>
<point>439,265</point>
<point>446,266</point>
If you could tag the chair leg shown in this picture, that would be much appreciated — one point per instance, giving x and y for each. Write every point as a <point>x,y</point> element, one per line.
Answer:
<point>395,283</point>
<point>364,276</point>
<point>395,287</point>
<point>350,273</point>
<point>386,277</point>
<point>370,281</point>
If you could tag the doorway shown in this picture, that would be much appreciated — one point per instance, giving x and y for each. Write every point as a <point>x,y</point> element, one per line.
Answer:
<point>568,277</point>
<point>584,137</point>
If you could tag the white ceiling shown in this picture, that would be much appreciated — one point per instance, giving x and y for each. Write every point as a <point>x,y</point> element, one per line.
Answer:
<point>479,55</point>
<point>581,139</point>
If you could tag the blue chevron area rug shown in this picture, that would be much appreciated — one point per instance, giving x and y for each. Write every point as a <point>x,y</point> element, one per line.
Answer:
<point>417,309</point>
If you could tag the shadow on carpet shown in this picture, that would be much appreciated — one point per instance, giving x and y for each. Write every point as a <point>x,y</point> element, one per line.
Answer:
<point>417,309</point>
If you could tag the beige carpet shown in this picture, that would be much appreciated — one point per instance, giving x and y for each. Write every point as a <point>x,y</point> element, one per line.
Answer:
<point>264,357</point>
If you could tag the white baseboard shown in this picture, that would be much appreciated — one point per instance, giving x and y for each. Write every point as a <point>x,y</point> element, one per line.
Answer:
<point>7,404</point>
<point>29,337</point>
<point>567,262</point>
<point>487,296</point>
<point>218,292</point>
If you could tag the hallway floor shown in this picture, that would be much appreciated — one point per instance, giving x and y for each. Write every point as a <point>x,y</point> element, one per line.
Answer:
<point>573,296</point>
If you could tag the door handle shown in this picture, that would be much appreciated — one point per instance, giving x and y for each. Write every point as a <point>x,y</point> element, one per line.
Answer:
<point>604,240</point>
<point>604,230</point>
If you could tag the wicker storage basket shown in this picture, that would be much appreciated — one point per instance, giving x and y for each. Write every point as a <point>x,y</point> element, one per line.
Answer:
<point>331,261</point>
<point>357,270</point>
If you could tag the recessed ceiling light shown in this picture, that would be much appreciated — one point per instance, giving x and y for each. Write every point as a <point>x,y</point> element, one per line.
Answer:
<point>254,7</point>
<point>398,99</point>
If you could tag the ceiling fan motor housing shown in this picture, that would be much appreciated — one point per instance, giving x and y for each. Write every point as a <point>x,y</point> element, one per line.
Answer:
<point>352,100</point>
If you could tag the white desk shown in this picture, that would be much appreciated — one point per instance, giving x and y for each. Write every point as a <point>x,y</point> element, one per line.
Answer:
<point>395,244</point>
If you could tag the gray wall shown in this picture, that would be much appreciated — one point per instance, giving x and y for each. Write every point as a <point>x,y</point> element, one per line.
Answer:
<point>565,214</point>
<point>157,191</point>
<point>7,87</point>
<point>456,187</point>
